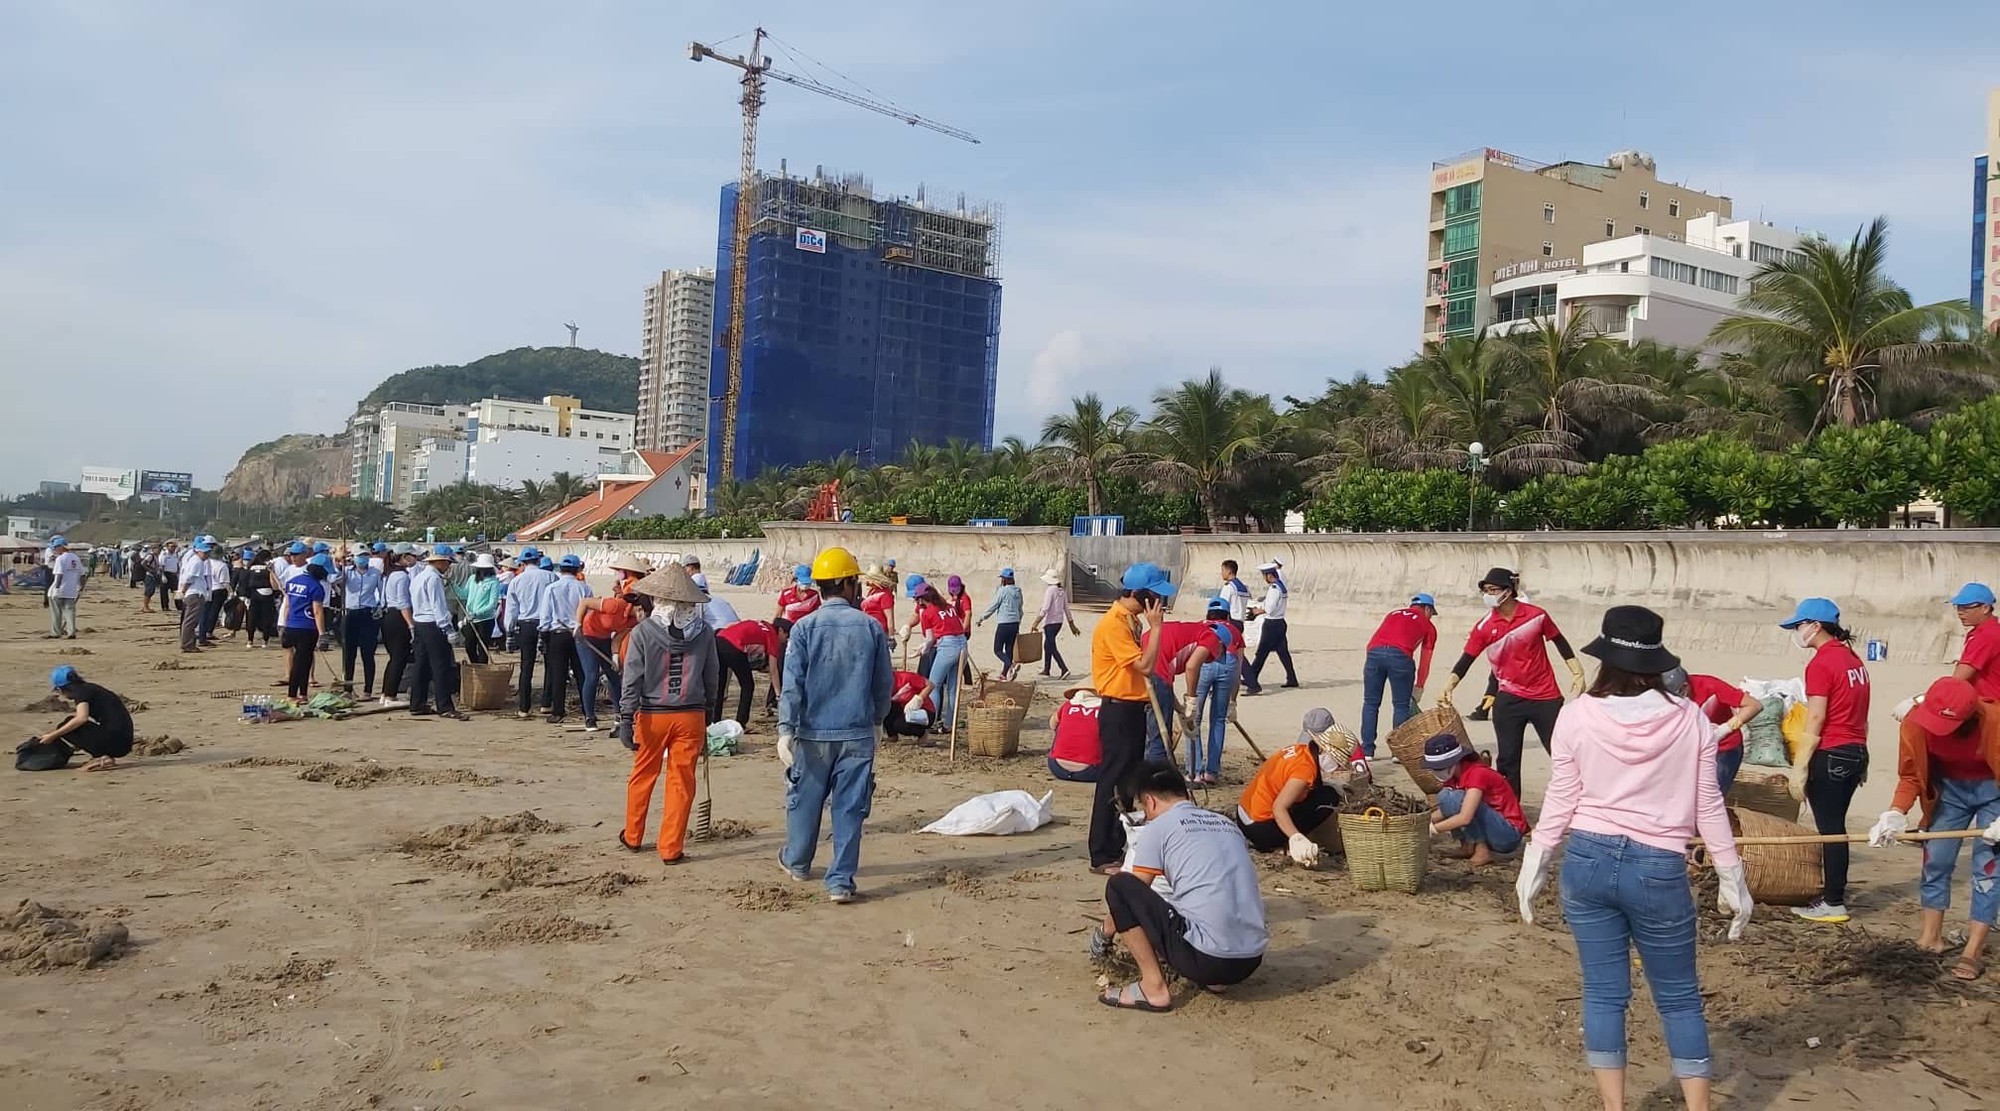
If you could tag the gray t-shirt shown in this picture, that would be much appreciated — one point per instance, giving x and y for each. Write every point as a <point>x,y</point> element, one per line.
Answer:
<point>1205,859</point>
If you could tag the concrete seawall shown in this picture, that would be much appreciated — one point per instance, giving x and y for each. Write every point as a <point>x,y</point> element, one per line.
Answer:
<point>933,551</point>
<point>1718,590</point>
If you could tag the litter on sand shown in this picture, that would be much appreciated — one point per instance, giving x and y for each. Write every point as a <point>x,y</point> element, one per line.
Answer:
<point>998,814</point>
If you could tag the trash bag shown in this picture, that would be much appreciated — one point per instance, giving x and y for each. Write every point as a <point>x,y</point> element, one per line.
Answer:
<point>1132,822</point>
<point>31,756</point>
<point>999,814</point>
<point>722,737</point>
<point>1794,729</point>
<point>1764,737</point>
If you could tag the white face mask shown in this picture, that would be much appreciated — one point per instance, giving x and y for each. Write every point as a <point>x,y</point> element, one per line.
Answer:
<point>1493,600</point>
<point>1803,636</point>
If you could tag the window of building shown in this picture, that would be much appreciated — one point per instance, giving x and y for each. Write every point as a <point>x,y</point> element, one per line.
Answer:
<point>1458,313</point>
<point>1644,200</point>
<point>1719,282</point>
<point>1548,214</point>
<point>1548,249</point>
<point>1461,238</point>
<point>1461,199</point>
<point>1639,229</point>
<point>1610,229</point>
<point>1625,266</point>
<point>1673,271</point>
<point>1461,276</point>
<point>1673,208</point>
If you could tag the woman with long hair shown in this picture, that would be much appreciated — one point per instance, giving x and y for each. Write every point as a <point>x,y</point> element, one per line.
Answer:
<point>944,632</point>
<point>1633,782</point>
<point>1053,615</point>
<point>1832,759</point>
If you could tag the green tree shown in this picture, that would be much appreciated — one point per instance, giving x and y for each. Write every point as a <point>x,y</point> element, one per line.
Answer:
<point>1963,463</point>
<point>1865,474</point>
<point>1199,433</point>
<point>1830,315</point>
<point>1558,372</point>
<point>1083,445</point>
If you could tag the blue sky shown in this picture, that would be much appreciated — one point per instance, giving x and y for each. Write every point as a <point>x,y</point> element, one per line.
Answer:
<point>224,221</point>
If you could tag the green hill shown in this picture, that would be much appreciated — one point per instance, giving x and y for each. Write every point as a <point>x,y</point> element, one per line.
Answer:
<point>602,380</point>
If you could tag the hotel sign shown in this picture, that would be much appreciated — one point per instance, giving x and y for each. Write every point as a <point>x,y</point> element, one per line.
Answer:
<point>1532,266</point>
<point>1469,170</point>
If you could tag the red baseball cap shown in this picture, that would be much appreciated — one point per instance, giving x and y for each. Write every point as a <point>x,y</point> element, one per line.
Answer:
<point>1946,707</point>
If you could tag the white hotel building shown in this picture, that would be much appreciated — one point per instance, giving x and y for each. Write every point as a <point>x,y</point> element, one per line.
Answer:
<point>1670,288</point>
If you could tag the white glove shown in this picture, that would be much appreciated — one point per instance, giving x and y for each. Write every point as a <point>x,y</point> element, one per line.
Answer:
<point>1992,833</point>
<point>915,701</point>
<point>1534,876</point>
<point>785,749</point>
<point>1891,825</point>
<point>1722,730</point>
<point>1904,707</point>
<point>1733,898</point>
<point>1303,851</point>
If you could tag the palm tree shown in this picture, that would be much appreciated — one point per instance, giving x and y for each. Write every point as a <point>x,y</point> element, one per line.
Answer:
<point>1830,315</point>
<point>1695,395</point>
<point>960,459</point>
<point>1083,445</point>
<point>921,462</point>
<point>1199,433</point>
<point>564,487</point>
<point>1557,369</point>
<point>1473,388</point>
<point>1013,458</point>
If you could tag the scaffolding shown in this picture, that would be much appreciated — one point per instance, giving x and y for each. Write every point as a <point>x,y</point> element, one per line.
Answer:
<point>907,231</point>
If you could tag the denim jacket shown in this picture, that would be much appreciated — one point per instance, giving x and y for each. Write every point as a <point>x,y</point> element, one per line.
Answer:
<point>837,676</point>
<point>1007,603</point>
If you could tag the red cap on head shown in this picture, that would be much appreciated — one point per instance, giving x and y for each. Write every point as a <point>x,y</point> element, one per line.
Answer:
<point>1946,707</point>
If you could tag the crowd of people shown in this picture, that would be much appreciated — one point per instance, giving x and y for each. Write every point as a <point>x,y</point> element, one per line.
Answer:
<point>1642,754</point>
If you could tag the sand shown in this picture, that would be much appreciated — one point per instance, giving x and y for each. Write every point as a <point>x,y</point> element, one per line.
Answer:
<point>439,916</point>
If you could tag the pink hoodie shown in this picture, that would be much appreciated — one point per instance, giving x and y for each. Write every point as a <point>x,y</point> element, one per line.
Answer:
<point>1640,767</point>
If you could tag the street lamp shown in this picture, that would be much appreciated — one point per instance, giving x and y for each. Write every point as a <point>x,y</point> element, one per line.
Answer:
<point>1475,463</point>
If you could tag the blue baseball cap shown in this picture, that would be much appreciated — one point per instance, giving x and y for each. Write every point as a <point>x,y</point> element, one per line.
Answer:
<point>571,563</point>
<point>440,551</point>
<point>1148,576</point>
<point>526,557</point>
<point>1424,600</point>
<point>378,546</point>
<point>63,676</point>
<point>915,585</point>
<point>1006,572</point>
<point>1219,603</point>
<point>1821,610</point>
<point>803,574</point>
<point>1973,594</point>
<point>203,546</point>
<point>296,548</point>
<point>546,564</point>
<point>321,559</point>
<point>322,546</point>
<point>58,541</point>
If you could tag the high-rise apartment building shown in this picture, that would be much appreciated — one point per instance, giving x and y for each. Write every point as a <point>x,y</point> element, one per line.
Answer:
<point>386,442</point>
<point>1986,221</point>
<point>675,345</point>
<point>870,323</point>
<point>1496,216</point>
<point>403,449</point>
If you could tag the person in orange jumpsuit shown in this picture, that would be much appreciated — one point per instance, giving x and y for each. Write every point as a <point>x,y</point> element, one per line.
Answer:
<point>670,677</point>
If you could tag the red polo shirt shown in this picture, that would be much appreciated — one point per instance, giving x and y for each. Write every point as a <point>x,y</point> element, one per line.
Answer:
<point>1515,650</point>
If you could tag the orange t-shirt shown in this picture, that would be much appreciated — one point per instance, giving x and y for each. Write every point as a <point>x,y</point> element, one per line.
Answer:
<point>1291,762</point>
<point>608,618</point>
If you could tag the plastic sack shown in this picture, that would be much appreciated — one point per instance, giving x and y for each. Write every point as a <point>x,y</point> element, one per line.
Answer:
<point>1764,737</point>
<point>997,814</point>
<point>722,737</point>
<point>1793,690</point>
<point>1795,731</point>
<point>1132,822</point>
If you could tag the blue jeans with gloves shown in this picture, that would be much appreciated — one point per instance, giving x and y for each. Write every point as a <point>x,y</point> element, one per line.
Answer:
<point>839,775</point>
<point>1488,827</point>
<point>1394,667</point>
<point>1962,804</point>
<point>1211,692</point>
<point>944,673</point>
<point>1619,895</point>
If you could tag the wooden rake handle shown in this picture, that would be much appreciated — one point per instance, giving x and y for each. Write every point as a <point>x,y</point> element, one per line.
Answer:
<point>1850,838</point>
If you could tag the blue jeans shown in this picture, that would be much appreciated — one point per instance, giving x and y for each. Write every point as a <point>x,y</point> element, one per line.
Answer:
<point>839,774</point>
<point>944,673</point>
<point>1394,667</point>
<point>1088,775</point>
<point>1156,744</point>
<point>1212,691</point>
<point>595,669</point>
<point>1727,764</point>
<point>1962,804</point>
<point>1488,827</point>
<point>1619,894</point>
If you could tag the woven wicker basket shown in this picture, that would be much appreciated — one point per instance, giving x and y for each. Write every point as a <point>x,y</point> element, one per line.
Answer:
<point>1780,875</point>
<point>1386,853</point>
<point>1018,692</point>
<point>993,728</point>
<point>1028,648</point>
<point>484,686</point>
<point>1407,742</point>
<point>1762,789</point>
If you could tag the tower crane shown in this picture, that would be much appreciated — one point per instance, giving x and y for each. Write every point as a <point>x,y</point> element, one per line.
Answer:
<point>756,67</point>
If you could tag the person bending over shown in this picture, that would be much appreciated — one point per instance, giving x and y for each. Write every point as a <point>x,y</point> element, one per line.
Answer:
<point>100,726</point>
<point>912,706</point>
<point>1474,802</point>
<point>1210,930</point>
<point>1298,789</point>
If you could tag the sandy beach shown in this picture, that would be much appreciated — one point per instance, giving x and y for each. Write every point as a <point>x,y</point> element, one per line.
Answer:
<point>431,914</point>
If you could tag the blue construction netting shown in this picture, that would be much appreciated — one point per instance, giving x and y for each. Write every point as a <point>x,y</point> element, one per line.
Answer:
<point>849,351</point>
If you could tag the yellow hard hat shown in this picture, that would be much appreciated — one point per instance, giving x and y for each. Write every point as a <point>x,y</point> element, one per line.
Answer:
<point>833,564</point>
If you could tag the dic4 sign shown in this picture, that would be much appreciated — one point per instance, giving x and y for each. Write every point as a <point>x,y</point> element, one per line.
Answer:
<point>812,240</point>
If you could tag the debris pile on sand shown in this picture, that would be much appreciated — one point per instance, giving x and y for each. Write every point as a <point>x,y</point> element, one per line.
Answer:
<point>461,835</point>
<point>1386,799</point>
<point>729,829</point>
<point>959,882</point>
<point>1896,964</point>
<point>365,774</point>
<point>535,929</point>
<point>162,745</point>
<point>766,896</point>
<point>51,703</point>
<point>34,937</point>
<point>296,970</point>
<point>603,885</point>
<point>174,665</point>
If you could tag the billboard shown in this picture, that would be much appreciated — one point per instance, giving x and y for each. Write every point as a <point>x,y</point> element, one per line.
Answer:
<point>810,240</point>
<point>166,484</point>
<point>115,483</point>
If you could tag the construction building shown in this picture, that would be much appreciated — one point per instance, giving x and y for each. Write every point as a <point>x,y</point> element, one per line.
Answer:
<point>1671,288</point>
<point>1986,221</point>
<point>869,322</point>
<point>674,348</point>
<point>1496,216</point>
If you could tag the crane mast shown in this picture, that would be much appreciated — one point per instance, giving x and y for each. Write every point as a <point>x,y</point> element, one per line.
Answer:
<point>756,66</point>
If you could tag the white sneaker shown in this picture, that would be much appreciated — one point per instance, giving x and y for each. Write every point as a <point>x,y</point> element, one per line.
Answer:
<point>249,644</point>
<point>1822,911</point>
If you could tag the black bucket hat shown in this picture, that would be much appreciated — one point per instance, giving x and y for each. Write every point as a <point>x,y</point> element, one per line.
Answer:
<point>1631,641</point>
<point>1500,577</point>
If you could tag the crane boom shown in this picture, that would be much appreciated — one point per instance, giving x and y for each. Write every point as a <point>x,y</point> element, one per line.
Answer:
<point>756,67</point>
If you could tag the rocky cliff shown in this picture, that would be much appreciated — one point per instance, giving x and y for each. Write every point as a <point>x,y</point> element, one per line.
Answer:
<point>289,470</point>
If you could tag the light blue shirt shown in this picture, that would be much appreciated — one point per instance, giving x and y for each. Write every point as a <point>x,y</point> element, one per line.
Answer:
<point>524,595</point>
<point>427,599</point>
<point>363,587</point>
<point>1007,603</point>
<point>559,601</point>
<point>396,590</point>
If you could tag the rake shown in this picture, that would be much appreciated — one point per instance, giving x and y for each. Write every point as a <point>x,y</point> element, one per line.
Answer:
<point>704,810</point>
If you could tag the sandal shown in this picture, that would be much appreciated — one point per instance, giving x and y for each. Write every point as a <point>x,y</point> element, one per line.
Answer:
<point>1968,969</point>
<point>1132,997</point>
<point>628,844</point>
<point>1107,869</point>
